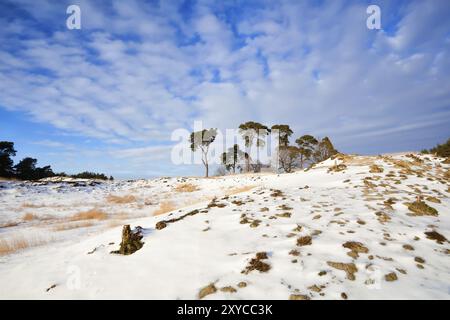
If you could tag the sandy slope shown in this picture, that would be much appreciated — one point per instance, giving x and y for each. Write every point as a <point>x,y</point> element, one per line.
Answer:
<point>300,220</point>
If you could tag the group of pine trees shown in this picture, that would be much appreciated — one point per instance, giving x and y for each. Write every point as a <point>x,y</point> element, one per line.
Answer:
<point>441,150</point>
<point>27,168</point>
<point>307,149</point>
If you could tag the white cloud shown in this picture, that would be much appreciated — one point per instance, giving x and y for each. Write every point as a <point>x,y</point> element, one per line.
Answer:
<point>135,73</point>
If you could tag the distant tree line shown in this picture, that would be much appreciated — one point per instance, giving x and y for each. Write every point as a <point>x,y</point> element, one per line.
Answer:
<point>307,149</point>
<point>27,168</point>
<point>441,150</point>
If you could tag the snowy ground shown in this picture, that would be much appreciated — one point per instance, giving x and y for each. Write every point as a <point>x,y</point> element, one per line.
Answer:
<point>301,221</point>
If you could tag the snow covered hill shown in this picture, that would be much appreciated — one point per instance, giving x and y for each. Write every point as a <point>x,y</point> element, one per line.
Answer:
<point>348,228</point>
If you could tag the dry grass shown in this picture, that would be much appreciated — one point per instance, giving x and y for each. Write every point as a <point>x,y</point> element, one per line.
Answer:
<point>93,214</point>
<point>186,187</point>
<point>113,224</point>
<point>121,200</point>
<point>32,205</point>
<point>19,242</point>
<point>73,225</point>
<point>354,160</point>
<point>164,207</point>
<point>29,217</point>
<point>239,190</point>
<point>9,224</point>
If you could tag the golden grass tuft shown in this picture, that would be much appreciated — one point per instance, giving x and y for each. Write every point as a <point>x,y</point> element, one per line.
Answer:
<point>113,224</point>
<point>19,242</point>
<point>73,225</point>
<point>164,207</point>
<point>239,190</point>
<point>29,217</point>
<point>93,214</point>
<point>186,187</point>
<point>121,199</point>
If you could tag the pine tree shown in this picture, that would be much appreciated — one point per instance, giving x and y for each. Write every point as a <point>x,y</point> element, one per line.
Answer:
<point>250,132</point>
<point>6,163</point>
<point>202,140</point>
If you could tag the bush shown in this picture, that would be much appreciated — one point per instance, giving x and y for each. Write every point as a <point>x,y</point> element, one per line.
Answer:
<point>90,175</point>
<point>441,150</point>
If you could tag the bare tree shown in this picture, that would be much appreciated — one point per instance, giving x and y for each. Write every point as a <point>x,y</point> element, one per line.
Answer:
<point>288,158</point>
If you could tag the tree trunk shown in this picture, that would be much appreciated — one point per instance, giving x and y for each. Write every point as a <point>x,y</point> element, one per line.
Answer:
<point>131,240</point>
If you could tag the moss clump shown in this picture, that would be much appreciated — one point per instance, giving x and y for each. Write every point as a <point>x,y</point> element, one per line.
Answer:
<point>349,268</point>
<point>391,277</point>
<point>420,208</point>
<point>376,169</point>
<point>337,168</point>
<point>257,264</point>
<point>299,297</point>
<point>209,289</point>
<point>355,247</point>
<point>434,235</point>
<point>304,241</point>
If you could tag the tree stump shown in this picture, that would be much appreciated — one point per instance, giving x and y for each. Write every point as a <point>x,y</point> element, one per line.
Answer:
<point>131,240</point>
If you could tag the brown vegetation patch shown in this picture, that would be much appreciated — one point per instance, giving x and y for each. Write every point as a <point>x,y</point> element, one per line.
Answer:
<point>299,297</point>
<point>239,190</point>
<point>276,193</point>
<point>121,199</point>
<point>434,235</point>
<point>349,268</point>
<point>209,289</point>
<point>284,207</point>
<point>214,203</point>
<point>408,247</point>
<point>391,276</point>
<point>337,168</point>
<point>19,242</point>
<point>257,264</point>
<point>420,208</point>
<point>284,215</point>
<point>383,217</point>
<point>376,169</point>
<point>9,224</point>
<point>73,225</point>
<point>304,241</point>
<point>355,248</point>
<point>433,199</point>
<point>186,187</point>
<point>162,224</point>
<point>93,214</point>
<point>229,289</point>
<point>164,207</point>
<point>29,217</point>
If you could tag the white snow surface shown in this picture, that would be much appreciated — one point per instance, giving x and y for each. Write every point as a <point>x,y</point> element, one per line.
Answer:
<point>216,244</point>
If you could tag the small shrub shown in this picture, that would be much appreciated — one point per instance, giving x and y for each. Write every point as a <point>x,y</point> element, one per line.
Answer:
<point>164,207</point>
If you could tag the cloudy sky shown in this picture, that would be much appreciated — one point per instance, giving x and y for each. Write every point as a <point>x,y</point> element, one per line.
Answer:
<point>108,97</point>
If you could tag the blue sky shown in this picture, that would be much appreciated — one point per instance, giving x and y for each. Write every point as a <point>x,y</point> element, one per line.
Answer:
<point>107,97</point>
